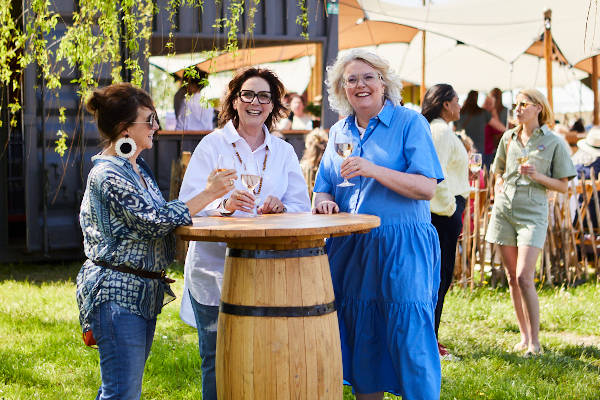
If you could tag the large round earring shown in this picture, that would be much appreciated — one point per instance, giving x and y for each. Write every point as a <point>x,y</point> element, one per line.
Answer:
<point>125,147</point>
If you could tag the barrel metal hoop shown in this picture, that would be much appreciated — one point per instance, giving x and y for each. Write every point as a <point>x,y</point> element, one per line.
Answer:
<point>262,254</point>
<point>262,311</point>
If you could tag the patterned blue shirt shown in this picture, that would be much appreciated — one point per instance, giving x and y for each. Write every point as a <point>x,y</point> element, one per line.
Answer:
<point>124,223</point>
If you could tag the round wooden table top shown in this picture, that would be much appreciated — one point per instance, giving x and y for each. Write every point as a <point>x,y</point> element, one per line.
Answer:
<point>222,229</point>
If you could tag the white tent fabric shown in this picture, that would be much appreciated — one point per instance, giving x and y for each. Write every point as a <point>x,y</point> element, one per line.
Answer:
<point>466,67</point>
<point>504,28</point>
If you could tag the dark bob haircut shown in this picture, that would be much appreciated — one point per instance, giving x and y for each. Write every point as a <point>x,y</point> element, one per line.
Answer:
<point>235,85</point>
<point>115,107</point>
<point>433,103</point>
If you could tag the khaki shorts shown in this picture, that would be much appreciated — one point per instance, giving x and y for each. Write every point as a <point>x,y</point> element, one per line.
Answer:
<point>522,221</point>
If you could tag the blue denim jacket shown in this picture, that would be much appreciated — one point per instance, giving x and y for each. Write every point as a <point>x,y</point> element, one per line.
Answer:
<point>123,223</point>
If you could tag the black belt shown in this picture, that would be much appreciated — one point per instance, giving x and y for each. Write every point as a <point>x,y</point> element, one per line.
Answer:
<point>162,275</point>
<point>262,311</point>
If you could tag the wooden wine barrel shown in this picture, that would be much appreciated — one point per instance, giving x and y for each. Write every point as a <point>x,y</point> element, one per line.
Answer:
<point>278,335</point>
<point>279,326</point>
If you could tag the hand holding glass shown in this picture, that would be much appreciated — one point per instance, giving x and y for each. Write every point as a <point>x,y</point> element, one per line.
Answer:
<point>475,165</point>
<point>223,164</point>
<point>344,147</point>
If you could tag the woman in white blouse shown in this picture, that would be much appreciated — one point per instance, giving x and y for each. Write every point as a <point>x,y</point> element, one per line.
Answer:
<point>440,107</point>
<point>251,106</point>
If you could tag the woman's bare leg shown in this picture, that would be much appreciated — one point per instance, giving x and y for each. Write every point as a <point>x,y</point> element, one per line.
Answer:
<point>509,259</point>
<point>527,258</point>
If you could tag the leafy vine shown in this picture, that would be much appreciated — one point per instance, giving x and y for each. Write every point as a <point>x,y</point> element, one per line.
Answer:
<point>102,33</point>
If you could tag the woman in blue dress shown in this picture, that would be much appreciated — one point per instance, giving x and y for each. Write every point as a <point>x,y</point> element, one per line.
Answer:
<point>385,281</point>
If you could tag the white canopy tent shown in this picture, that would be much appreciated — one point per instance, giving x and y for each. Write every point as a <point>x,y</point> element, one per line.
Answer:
<point>504,28</point>
<point>466,67</point>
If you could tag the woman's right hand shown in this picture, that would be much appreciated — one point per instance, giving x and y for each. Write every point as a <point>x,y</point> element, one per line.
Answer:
<point>240,200</point>
<point>498,186</point>
<point>326,207</point>
<point>220,182</point>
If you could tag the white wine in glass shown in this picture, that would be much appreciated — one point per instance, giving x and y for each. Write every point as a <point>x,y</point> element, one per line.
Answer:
<point>523,159</point>
<point>251,179</point>
<point>344,147</point>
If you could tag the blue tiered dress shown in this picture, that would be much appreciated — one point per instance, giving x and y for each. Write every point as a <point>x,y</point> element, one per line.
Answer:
<point>386,281</point>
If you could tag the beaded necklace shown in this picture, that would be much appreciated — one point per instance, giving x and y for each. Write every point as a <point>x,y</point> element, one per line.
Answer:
<point>263,168</point>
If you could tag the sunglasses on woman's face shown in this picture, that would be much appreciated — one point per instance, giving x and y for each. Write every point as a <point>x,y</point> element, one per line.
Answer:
<point>152,118</point>
<point>247,96</point>
<point>522,104</point>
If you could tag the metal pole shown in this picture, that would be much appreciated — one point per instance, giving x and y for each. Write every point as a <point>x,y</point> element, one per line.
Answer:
<point>548,55</point>
<point>596,119</point>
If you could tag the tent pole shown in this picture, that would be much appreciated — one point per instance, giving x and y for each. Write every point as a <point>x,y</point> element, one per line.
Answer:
<point>548,55</point>
<point>423,88</point>
<point>596,119</point>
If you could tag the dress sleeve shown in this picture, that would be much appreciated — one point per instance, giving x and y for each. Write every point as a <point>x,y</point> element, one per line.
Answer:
<point>138,217</point>
<point>420,151</point>
<point>562,166</point>
<point>499,164</point>
<point>295,198</point>
<point>323,183</point>
<point>443,202</point>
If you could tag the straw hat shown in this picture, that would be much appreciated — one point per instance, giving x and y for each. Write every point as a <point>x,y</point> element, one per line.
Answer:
<point>591,143</point>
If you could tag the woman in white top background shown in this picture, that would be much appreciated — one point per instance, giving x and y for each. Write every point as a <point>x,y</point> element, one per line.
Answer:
<point>440,108</point>
<point>193,113</point>
<point>251,106</point>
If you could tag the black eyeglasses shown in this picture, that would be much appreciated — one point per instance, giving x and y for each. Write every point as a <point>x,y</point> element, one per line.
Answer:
<point>247,96</point>
<point>151,120</point>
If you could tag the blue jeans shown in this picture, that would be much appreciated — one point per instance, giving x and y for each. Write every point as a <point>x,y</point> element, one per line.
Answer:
<point>124,340</point>
<point>206,322</point>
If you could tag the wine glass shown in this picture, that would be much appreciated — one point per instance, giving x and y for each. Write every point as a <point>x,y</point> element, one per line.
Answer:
<point>475,166</point>
<point>251,179</point>
<point>223,164</point>
<point>344,147</point>
<point>522,159</point>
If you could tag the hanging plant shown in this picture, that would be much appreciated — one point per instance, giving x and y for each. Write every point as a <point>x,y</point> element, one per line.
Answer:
<point>302,19</point>
<point>103,33</point>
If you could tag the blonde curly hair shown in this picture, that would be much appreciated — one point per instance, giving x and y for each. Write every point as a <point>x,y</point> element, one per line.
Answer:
<point>335,79</point>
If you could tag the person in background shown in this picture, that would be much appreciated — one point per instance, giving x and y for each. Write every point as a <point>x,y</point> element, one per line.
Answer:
<point>298,118</point>
<point>127,235</point>
<point>193,113</point>
<point>385,281</point>
<point>440,108</point>
<point>495,127</point>
<point>585,159</point>
<point>530,161</point>
<point>314,146</point>
<point>251,106</point>
<point>473,120</point>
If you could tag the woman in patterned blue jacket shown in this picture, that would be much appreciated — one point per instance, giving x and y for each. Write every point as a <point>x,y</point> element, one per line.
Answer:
<point>127,232</point>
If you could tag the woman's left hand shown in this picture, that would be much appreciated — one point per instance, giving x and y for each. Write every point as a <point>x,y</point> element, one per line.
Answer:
<point>530,171</point>
<point>272,205</point>
<point>357,166</point>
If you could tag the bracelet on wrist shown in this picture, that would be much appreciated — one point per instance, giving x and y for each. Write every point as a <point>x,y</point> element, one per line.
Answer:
<point>222,207</point>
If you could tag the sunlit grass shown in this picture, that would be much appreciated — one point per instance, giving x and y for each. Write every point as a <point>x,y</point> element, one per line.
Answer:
<point>42,355</point>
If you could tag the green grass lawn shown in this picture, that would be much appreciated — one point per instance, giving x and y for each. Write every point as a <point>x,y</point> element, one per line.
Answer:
<point>42,355</point>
